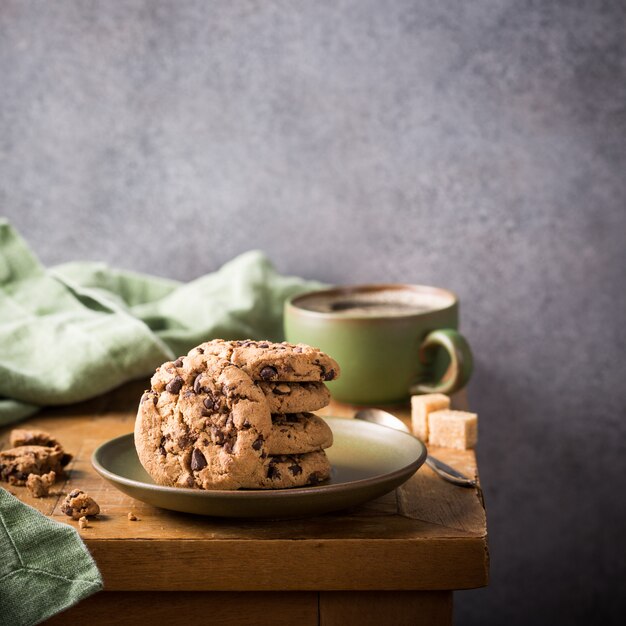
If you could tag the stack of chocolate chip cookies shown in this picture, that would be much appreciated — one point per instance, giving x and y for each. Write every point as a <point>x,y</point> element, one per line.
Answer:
<point>236,414</point>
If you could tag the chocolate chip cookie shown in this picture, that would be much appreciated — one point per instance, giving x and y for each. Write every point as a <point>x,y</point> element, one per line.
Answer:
<point>267,361</point>
<point>295,470</point>
<point>297,433</point>
<point>17,463</point>
<point>295,397</point>
<point>203,425</point>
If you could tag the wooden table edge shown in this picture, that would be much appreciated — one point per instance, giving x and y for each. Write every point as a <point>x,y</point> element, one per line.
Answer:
<point>323,565</point>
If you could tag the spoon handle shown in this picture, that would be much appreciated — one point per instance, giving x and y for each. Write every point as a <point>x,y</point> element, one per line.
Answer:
<point>378,416</point>
<point>449,473</point>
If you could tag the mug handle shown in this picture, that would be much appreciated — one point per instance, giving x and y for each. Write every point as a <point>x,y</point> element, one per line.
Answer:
<point>461,361</point>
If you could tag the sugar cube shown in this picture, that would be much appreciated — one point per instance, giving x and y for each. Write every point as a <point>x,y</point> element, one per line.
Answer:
<point>453,429</point>
<point>421,407</point>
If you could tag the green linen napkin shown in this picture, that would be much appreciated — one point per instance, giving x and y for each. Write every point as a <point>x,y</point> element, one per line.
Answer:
<point>44,566</point>
<point>78,330</point>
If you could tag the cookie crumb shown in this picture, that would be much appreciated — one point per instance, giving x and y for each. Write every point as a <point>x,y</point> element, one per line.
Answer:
<point>83,522</point>
<point>132,517</point>
<point>39,486</point>
<point>78,504</point>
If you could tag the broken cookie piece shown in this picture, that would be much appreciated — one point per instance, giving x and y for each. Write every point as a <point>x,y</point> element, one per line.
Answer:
<point>16,464</point>
<point>78,504</point>
<point>83,522</point>
<point>31,437</point>
<point>39,486</point>
<point>24,437</point>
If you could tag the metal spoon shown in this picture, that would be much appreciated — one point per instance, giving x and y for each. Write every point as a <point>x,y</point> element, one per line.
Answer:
<point>378,416</point>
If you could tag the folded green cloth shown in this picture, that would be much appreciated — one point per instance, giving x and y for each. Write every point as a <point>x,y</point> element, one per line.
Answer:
<point>44,566</point>
<point>78,330</point>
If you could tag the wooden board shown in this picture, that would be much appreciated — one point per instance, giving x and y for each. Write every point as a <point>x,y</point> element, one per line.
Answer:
<point>427,535</point>
<point>120,608</point>
<point>400,608</point>
<point>305,608</point>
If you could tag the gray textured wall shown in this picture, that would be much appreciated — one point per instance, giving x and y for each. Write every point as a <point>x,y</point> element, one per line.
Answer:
<point>475,145</point>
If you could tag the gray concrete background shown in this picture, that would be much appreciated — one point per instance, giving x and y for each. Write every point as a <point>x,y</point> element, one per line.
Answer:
<point>479,146</point>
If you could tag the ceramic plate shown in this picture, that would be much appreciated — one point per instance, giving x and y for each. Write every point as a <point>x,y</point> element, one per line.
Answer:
<point>367,460</point>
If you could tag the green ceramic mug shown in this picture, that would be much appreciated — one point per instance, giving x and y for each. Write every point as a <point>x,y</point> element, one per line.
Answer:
<point>389,340</point>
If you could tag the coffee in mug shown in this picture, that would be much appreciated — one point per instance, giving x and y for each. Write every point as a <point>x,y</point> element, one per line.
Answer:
<point>385,302</point>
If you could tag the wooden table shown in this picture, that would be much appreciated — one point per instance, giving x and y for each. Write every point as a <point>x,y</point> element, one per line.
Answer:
<point>395,560</point>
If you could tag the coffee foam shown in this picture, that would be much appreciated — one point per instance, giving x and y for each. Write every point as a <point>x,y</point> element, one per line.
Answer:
<point>379,303</point>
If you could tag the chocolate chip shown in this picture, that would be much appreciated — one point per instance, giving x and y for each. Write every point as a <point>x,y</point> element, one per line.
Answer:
<point>145,396</point>
<point>329,375</point>
<point>179,362</point>
<point>258,444</point>
<point>295,469</point>
<point>184,441</point>
<point>197,385</point>
<point>197,460</point>
<point>246,425</point>
<point>313,478</point>
<point>205,413</point>
<point>268,372</point>
<point>263,345</point>
<point>162,450</point>
<point>228,447</point>
<point>272,471</point>
<point>200,350</point>
<point>74,493</point>
<point>155,400</point>
<point>209,401</point>
<point>65,459</point>
<point>174,385</point>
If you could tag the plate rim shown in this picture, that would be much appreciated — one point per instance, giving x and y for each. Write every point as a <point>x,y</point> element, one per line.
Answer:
<point>253,494</point>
